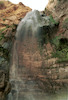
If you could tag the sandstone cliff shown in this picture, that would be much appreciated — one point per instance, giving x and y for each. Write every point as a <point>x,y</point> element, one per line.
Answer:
<point>10,16</point>
<point>56,48</point>
<point>54,73</point>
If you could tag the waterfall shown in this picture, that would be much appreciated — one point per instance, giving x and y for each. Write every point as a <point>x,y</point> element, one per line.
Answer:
<point>27,60</point>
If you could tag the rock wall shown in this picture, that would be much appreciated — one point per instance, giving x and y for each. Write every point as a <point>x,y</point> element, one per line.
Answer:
<point>54,75</point>
<point>10,16</point>
<point>57,67</point>
<point>59,10</point>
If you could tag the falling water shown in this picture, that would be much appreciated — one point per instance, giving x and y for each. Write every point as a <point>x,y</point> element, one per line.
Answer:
<point>27,61</point>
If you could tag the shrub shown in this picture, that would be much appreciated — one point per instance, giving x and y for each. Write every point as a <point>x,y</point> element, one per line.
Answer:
<point>2,30</point>
<point>55,41</point>
<point>65,23</point>
<point>2,35</point>
<point>61,51</point>
<point>53,21</point>
<point>4,19</point>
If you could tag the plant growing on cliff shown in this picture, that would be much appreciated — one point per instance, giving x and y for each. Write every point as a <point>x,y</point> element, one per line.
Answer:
<point>61,51</point>
<point>2,30</point>
<point>55,41</point>
<point>65,23</point>
<point>61,55</point>
<point>2,34</point>
<point>53,21</point>
<point>5,52</point>
<point>4,19</point>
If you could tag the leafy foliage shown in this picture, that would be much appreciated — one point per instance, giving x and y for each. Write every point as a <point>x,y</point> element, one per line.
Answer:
<point>65,23</point>
<point>62,55</point>
<point>53,21</point>
<point>4,19</point>
<point>55,41</point>
<point>5,52</point>
<point>2,35</point>
<point>2,30</point>
<point>61,51</point>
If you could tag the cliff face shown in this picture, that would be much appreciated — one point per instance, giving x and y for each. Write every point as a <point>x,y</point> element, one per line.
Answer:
<point>59,10</point>
<point>58,7</point>
<point>11,13</point>
<point>10,16</point>
<point>54,74</point>
<point>56,49</point>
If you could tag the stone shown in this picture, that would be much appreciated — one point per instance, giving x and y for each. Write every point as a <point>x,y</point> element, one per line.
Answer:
<point>62,73</point>
<point>4,85</point>
<point>1,60</point>
<point>12,18</point>
<point>66,69</point>
<point>2,80</point>
<point>5,45</point>
<point>54,77</point>
<point>8,88</point>
<point>9,33</point>
<point>55,65</point>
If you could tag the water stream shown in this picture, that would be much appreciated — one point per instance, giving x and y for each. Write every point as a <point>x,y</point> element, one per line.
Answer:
<point>27,61</point>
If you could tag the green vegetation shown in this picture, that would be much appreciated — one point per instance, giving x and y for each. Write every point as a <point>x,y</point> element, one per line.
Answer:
<point>55,41</point>
<point>10,26</point>
<point>5,52</point>
<point>43,39</point>
<point>61,51</point>
<point>46,32</point>
<point>63,32</point>
<point>2,37</point>
<point>4,19</point>
<point>61,54</point>
<point>2,34</point>
<point>53,21</point>
<point>40,49</point>
<point>2,30</point>
<point>65,23</point>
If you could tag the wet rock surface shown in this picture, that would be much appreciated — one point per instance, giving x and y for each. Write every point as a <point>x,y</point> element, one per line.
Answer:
<point>4,85</point>
<point>34,73</point>
<point>10,15</point>
<point>34,77</point>
<point>34,70</point>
